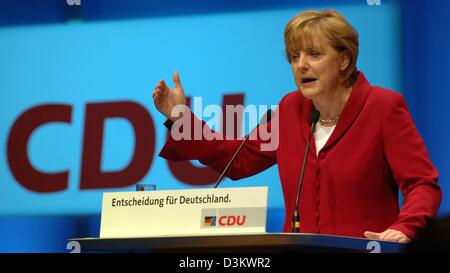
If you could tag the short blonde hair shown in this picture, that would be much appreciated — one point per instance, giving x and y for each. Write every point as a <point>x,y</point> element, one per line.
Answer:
<point>339,33</point>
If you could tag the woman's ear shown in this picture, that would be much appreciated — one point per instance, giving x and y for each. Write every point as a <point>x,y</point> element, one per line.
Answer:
<point>344,61</point>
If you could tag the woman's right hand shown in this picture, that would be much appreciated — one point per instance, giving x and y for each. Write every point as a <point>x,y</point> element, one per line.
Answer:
<point>166,98</point>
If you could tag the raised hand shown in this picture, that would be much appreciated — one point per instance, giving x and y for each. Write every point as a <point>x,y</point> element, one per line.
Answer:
<point>166,98</point>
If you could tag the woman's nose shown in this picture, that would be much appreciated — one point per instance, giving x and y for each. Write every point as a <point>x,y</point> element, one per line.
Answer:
<point>302,64</point>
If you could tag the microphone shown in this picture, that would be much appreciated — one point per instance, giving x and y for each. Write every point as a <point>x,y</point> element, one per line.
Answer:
<point>295,217</point>
<point>265,119</point>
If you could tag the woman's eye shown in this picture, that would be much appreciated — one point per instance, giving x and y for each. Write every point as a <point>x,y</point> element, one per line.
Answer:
<point>314,53</point>
<point>294,56</point>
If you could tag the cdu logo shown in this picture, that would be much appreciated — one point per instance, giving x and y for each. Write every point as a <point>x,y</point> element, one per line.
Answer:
<point>209,221</point>
<point>233,217</point>
<point>208,218</point>
<point>232,220</point>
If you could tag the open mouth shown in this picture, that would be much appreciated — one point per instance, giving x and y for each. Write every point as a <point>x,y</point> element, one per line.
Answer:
<point>308,80</point>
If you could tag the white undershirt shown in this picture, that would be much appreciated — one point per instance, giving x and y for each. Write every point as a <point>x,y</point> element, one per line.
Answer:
<point>321,135</point>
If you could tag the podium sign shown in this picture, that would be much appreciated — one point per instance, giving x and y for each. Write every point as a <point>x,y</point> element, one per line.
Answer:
<point>184,212</point>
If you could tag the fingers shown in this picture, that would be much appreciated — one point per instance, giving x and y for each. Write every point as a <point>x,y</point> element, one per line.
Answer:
<point>405,240</point>
<point>388,235</point>
<point>157,92</point>
<point>155,95</point>
<point>160,89</point>
<point>393,237</point>
<point>372,235</point>
<point>396,236</point>
<point>177,81</point>
<point>163,85</point>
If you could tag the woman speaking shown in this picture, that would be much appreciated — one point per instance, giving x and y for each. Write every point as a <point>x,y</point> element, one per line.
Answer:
<point>364,148</point>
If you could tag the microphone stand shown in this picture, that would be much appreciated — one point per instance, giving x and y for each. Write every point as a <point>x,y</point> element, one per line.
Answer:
<point>265,119</point>
<point>296,217</point>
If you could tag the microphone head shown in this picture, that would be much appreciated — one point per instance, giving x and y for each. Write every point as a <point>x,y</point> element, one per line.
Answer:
<point>314,116</point>
<point>267,117</point>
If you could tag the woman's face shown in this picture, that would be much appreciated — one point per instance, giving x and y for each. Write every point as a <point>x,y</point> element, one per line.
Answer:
<point>317,68</point>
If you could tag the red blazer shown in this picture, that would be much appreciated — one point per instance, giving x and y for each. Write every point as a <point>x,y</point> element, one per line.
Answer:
<point>352,185</point>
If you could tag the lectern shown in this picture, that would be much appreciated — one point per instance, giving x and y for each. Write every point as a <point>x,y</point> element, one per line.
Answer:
<point>242,243</point>
<point>204,221</point>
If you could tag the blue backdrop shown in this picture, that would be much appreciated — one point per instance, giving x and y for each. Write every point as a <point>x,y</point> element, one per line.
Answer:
<point>109,51</point>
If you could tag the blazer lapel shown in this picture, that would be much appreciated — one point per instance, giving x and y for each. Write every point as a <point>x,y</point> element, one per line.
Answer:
<point>351,109</point>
